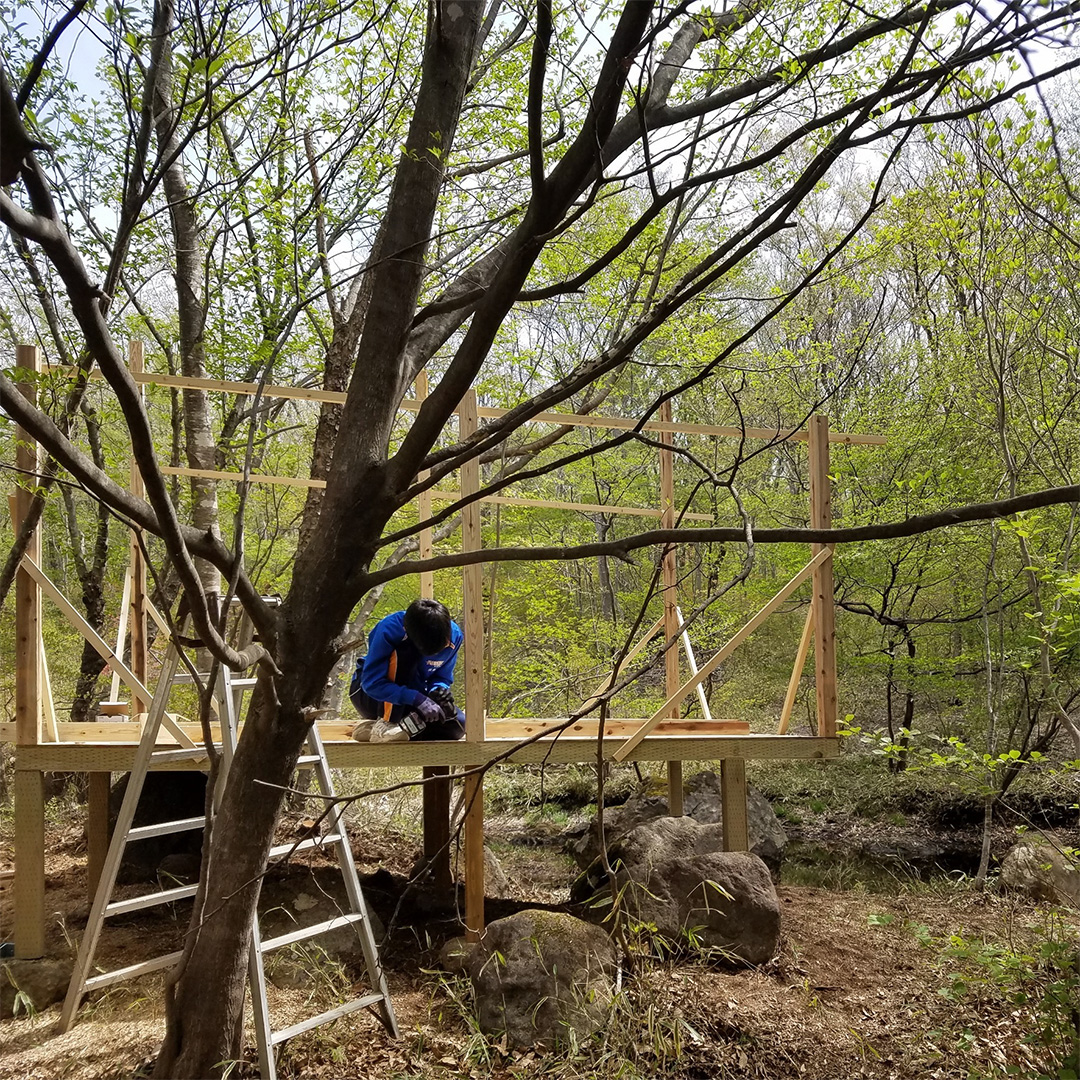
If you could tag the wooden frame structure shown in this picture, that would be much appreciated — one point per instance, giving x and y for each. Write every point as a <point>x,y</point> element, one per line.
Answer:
<point>42,744</point>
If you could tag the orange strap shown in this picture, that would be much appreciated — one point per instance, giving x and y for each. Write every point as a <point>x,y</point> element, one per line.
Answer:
<point>391,672</point>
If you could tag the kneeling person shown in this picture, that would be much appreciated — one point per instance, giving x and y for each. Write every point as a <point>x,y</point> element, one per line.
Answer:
<point>403,683</point>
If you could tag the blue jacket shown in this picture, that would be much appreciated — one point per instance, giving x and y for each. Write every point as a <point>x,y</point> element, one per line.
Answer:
<point>394,670</point>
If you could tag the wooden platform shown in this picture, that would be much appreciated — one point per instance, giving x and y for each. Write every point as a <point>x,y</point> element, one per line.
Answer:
<point>345,754</point>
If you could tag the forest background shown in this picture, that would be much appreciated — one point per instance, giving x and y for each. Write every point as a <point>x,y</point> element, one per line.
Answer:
<point>918,279</point>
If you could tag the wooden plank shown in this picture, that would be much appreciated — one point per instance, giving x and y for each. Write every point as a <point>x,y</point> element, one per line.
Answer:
<point>669,581</point>
<point>118,757</point>
<point>588,727</point>
<point>474,857</point>
<point>29,863</point>
<point>158,618</point>
<point>796,671</point>
<point>48,706</point>
<point>554,504</point>
<point>436,798</point>
<point>121,631</point>
<point>823,602</point>
<point>621,423</point>
<point>691,661</point>
<point>450,496</point>
<point>437,825</point>
<point>97,828</point>
<point>84,628</point>
<point>733,804</point>
<point>736,640</point>
<point>28,710</point>
<point>423,509</point>
<point>333,731</point>
<point>137,616</point>
<point>473,592</point>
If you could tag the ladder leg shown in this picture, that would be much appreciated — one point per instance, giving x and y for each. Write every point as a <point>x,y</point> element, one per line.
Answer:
<point>140,766</point>
<point>376,975</point>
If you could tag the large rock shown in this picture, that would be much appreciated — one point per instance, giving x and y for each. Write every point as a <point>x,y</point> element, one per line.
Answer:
<point>673,877</point>
<point>539,974</point>
<point>701,802</point>
<point>31,986</point>
<point>1041,872</point>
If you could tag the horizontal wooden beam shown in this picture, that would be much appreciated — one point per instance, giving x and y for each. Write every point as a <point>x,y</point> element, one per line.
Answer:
<point>615,423</point>
<point>130,730</point>
<point>588,728</point>
<point>113,757</point>
<point>500,500</point>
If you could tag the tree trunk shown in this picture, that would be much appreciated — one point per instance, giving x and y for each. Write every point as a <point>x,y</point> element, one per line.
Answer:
<point>191,308</point>
<point>984,855</point>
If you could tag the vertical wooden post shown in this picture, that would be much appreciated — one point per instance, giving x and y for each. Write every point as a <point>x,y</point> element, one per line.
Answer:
<point>824,612</point>
<point>473,589</point>
<point>29,783</point>
<point>137,621</point>
<point>437,789</point>
<point>671,604</point>
<point>97,828</point>
<point>423,507</point>
<point>733,804</point>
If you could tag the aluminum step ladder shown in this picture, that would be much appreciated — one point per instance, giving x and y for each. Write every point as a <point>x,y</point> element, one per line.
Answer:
<point>228,695</point>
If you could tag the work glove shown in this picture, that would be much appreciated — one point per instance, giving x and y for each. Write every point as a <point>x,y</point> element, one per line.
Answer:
<point>442,697</point>
<point>429,711</point>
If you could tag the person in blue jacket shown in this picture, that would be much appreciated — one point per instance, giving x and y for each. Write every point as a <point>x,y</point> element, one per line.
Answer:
<point>403,683</point>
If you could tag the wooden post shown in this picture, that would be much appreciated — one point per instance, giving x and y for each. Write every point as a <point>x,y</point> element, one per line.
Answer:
<point>824,612</point>
<point>671,603</point>
<point>473,589</point>
<point>137,620</point>
<point>733,804</point>
<point>436,790</point>
<point>423,506</point>
<point>97,828</point>
<point>29,784</point>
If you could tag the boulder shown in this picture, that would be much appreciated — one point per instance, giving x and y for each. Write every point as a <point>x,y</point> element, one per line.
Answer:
<point>673,877</point>
<point>31,986</point>
<point>539,974</point>
<point>1042,872</point>
<point>701,802</point>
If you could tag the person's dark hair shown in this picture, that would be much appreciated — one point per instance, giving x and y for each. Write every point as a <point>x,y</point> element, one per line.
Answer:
<point>427,625</point>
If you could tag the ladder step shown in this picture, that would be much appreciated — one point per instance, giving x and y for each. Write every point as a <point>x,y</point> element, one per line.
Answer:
<point>308,759</point>
<point>143,968</point>
<point>305,845</point>
<point>166,828</point>
<point>312,931</point>
<point>325,1018</point>
<point>137,903</point>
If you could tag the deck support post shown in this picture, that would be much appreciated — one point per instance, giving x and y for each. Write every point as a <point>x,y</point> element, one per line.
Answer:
<point>473,589</point>
<point>436,789</point>
<point>671,604</point>
<point>823,604</point>
<point>733,804</point>
<point>97,828</point>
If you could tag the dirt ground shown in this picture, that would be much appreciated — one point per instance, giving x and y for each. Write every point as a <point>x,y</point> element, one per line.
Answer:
<point>861,988</point>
